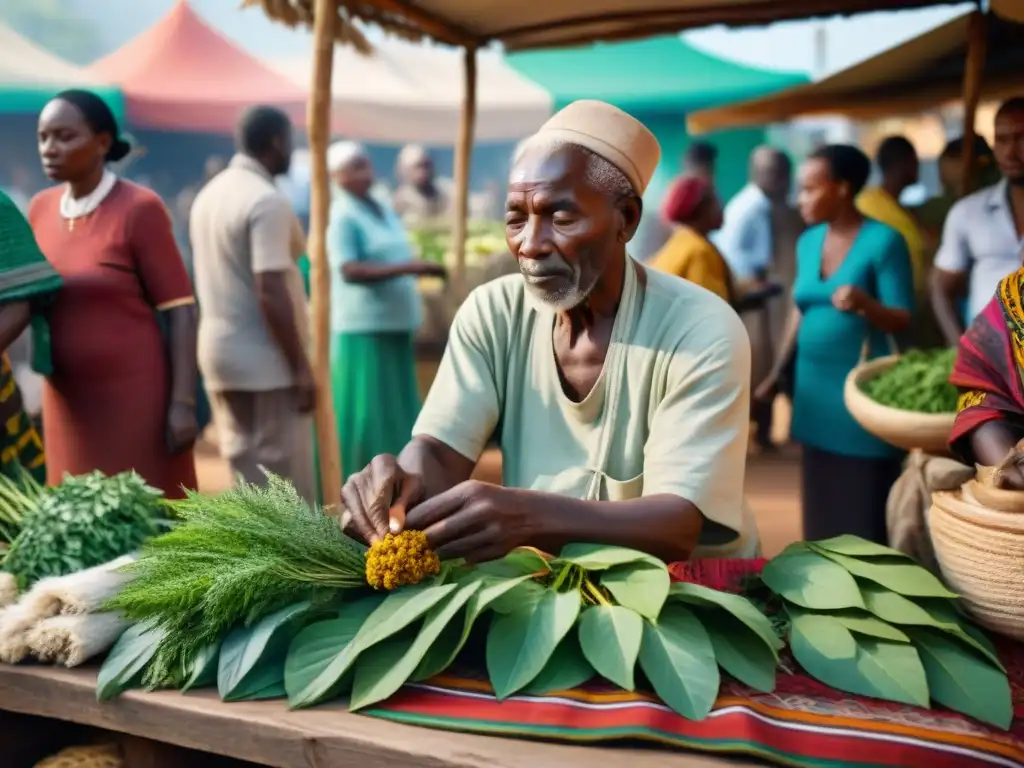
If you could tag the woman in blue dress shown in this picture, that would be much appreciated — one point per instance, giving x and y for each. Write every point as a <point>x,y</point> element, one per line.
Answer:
<point>853,287</point>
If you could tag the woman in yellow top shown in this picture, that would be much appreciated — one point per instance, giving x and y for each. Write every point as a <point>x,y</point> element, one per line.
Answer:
<point>693,210</point>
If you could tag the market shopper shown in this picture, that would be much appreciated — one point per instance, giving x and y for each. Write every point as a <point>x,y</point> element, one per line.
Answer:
<point>983,237</point>
<point>27,284</point>
<point>375,313</point>
<point>253,332</point>
<point>853,289</point>
<point>620,395</point>
<point>420,198</point>
<point>121,396</point>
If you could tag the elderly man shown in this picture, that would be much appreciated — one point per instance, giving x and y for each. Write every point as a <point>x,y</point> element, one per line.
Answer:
<point>620,395</point>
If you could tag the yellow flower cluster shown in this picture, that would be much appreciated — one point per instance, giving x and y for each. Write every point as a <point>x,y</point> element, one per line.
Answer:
<point>397,560</point>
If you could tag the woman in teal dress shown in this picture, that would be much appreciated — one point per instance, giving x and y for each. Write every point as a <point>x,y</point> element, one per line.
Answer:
<point>375,313</point>
<point>853,286</point>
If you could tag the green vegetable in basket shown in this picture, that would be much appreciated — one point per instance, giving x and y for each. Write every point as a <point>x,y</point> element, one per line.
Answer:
<point>918,382</point>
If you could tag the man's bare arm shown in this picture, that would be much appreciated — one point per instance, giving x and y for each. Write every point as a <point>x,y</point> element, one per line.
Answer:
<point>276,305</point>
<point>945,288</point>
<point>439,466</point>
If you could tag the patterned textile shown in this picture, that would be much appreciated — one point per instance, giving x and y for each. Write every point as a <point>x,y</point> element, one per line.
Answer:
<point>989,364</point>
<point>20,445</point>
<point>803,723</point>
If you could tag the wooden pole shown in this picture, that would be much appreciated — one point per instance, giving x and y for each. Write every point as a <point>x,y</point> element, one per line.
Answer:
<point>319,128</point>
<point>463,159</point>
<point>974,70</point>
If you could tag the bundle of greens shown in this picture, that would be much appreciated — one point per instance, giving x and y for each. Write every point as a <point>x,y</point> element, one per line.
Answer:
<point>84,521</point>
<point>232,560</point>
<point>867,619</point>
<point>17,497</point>
<point>918,382</point>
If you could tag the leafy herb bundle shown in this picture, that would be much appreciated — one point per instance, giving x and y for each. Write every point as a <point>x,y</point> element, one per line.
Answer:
<point>918,382</point>
<point>18,496</point>
<point>232,560</point>
<point>85,521</point>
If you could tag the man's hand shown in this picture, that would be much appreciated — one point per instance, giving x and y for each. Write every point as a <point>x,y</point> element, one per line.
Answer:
<point>767,389</point>
<point>182,426</point>
<point>376,499</point>
<point>305,390</point>
<point>425,268</point>
<point>850,298</point>
<point>476,521</point>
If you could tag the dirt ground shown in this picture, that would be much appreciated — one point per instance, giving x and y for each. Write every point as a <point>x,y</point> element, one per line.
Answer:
<point>773,486</point>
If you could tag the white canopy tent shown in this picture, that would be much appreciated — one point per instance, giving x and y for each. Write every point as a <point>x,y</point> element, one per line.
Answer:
<point>24,63</point>
<point>404,92</point>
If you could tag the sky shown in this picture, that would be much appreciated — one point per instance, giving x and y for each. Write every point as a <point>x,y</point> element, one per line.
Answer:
<point>781,46</point>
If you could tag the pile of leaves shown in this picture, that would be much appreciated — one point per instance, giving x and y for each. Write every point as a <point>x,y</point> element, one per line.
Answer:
<point>482,240</point>
<point>18,496</point>
<point>867,619</point>
<point>85,521</point>
<point>918,382</point>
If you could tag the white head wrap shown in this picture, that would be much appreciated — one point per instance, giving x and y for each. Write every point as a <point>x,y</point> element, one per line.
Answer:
<point>341,153</point>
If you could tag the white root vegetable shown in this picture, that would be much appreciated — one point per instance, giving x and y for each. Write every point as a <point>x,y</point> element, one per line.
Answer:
<point>73,640</point>
<point>8,589</point>
<point>77,593</point>
<point>15,621</point>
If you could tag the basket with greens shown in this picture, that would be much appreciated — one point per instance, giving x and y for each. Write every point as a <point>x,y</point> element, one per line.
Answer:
<point>263,597</point>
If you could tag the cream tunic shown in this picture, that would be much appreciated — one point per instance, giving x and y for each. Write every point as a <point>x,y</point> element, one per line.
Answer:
<point>669,413</point>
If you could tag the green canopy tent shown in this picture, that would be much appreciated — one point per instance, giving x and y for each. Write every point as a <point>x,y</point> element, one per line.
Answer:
<point>660,80</point>
<point>30,76</point>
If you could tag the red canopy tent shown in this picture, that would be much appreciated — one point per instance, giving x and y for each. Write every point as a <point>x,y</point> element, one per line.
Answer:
<point>181,74</point>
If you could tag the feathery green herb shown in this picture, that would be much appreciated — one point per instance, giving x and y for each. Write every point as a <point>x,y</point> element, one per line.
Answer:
<point>233,559</point>
<point>918,382</point>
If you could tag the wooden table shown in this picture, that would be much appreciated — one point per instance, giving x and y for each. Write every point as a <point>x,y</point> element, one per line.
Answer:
<point>267,733</point>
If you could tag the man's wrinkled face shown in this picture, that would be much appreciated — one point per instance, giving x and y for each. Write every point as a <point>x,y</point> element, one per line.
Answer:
<point>1009,144</point>
<point>562,231</point>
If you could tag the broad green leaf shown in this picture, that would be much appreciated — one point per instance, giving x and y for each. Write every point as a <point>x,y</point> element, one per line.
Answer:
<point>811,581</point>
<point>520,643</point>
<point>378,675</point>
<point>926,612</point>
<point>879,668</point>
<point>318,646</point>
<point>961,681</point>
<point>524,561</point>
<point>127,660</point>
<point>855,546</point>
<point>609,637</point>
<point>523,593</point>
<point>899,574</point>
<point>740,607</point>
<point>453,637</point>
<point>640,586</point>
<point>600,557</point>
<point>566,669</point>
<point>204,668</point>
<point>249,653</point>
<point>677,656</point>
<point>868,624</point>
<point>740,652</point>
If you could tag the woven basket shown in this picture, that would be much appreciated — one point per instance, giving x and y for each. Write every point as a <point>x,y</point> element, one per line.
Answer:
<point>981,554</point>
<point>928,432</point>
<point>91,756</point>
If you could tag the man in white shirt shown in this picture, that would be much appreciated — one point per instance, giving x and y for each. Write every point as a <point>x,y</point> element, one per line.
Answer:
<point>983,238</point>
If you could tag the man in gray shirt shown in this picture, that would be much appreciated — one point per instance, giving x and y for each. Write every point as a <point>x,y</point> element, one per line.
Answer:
<point>253,327</point>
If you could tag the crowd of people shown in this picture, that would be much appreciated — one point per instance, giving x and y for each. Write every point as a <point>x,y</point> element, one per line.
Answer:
<point>621,394</point>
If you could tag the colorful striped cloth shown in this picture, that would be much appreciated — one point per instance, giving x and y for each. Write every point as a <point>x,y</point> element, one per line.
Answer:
<point>803,723</point>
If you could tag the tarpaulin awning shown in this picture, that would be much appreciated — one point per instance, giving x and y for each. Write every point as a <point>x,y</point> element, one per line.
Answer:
<point>183,75</point>
<point>413,93</point>
<point>30,76</point>
<point>662,74</point>
<point>918,74</point>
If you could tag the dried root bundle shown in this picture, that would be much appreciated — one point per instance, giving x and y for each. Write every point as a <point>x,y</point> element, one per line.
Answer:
<point>73,640</point>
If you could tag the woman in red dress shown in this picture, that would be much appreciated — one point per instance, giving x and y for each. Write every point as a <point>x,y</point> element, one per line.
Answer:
<point>121,397</point>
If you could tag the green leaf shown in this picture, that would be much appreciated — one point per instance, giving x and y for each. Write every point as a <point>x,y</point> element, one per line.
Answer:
<point>127,659</point>
<point>204,668</point>
<point>378,675</point>
<point>609,637</point>
<point>740,652</point>
<point>249,653</point>
<point>961,681</point>
<point>315,648</point>
<point>454,636</point>
<point>867,624</point>
<point>981,642</point>
<point>399,609</point>
<point>740,607</point>
<point>528,561</point>
<point>640,586</point>
<point>600,557</point>
<point>566,669</point>
<point>899,574</point>
<point>523,593</point>
<point>855,546</point>
<point>520,643</point>
<point>812,581</point>
<point>879,668</point>
<point>677,656</point>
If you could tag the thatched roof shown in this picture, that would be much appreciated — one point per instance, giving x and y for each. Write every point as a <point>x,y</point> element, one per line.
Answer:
<point>520,24</point>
